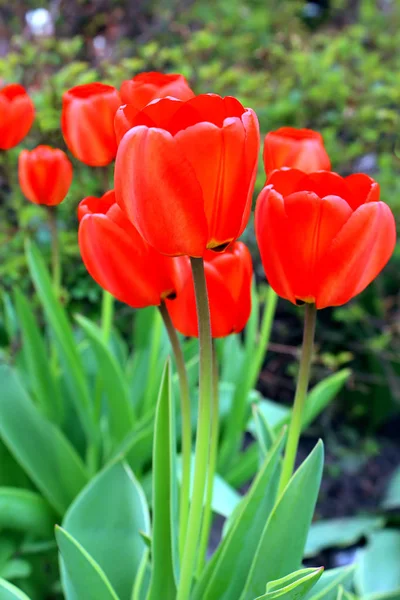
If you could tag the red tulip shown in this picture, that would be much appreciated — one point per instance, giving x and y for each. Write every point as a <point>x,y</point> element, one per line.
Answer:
<point>117,257</point>
<point>17,114</point>
<point>146,87</point>
<point>185,172</point>
<point>322,238</point>
<point>45,175</point>
<point>301,149</point>
<point>228,276</point>
<point>87,122</point>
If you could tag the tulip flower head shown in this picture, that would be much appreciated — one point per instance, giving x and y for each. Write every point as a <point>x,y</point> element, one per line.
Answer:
<point>301,149</point>
<point>322,238</point>
<point>228,276</point>
<point>87,122</point>
<point>117,257</point>
<point>146,87</point>
<point>45,175</point>
<point>185,171</point>
<point>17,114</point>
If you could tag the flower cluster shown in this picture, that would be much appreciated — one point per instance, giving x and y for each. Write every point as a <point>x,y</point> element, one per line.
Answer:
<point>185,168</point>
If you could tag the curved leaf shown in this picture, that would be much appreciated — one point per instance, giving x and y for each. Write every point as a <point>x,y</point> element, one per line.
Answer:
<point>25,511</point>
<point>85,579</point>
<point>106,520</point>
<point>42,450</point>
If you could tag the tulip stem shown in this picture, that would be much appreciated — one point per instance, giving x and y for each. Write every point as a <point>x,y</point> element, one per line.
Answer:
<point>207,518</point>
<point>107,315</point>
<point>300,396</point>
<point>202,451</point>
<point>55,250</point>
<point>186,426</point>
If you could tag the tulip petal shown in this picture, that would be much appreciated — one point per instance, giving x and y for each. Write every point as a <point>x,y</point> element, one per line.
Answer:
<point>222,307</point>
<point>163,198</point>
<point>217,157</point>
<point>252,149</point>
<point>357,254</point>
<point>117,262</point>
<point>362,189</point>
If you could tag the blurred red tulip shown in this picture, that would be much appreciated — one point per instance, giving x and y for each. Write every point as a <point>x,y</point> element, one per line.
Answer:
<point>301,149</point>
<point>185,172</point>
<point>17,114</point>
<point>45,175</point>
<point>145,87</point>
<point>117,257</point>
<point>322,238</point>
<point>228,276</point>
<point>87,122</point>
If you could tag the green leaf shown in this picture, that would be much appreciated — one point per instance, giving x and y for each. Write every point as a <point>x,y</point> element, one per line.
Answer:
<point>292,587</point>
<point>83,577</point>
<point>106,519</point>
<point>392,496</point>
<point>379,564</point>
<point>10,592</point>
<point>41,379</point>
<point>327,587</point>
<point>339,533</point>
<point>120,409</point>
<point>69,355</point>
<point>322,394</point>
<point>264,433</point>
<point>42,450</point>
<point>225,575</point>
<point>25,511</point>
<point>164,538</point>
<point>283,539</point>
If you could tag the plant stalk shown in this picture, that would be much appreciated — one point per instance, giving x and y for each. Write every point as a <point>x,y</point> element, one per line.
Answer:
<point>55,250</point>
<point>300,396</point>
<point>186,426</point>
<point>207,518</point>
<point>202,451</point>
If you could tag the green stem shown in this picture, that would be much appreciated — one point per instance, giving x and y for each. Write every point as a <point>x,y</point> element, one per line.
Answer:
<point>300,396</point>
<point>202,450</point>
<point>149,401</point>
<point>55,250</point>
<point>186,426</point>
<point>207,518</point>
<point>107,314</point>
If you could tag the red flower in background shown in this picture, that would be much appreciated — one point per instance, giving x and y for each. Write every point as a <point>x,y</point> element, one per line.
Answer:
<point>145,87</point>
<point>185,172</point>
<point>301,149</point>
<point>17,114</point>
<point>322,238</point>
<point>118,258</point>
<point>45,175</point>
<point>87,122</point>
<point>228,276</point>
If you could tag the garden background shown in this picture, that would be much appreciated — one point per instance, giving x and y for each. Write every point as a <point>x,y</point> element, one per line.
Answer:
<point>330,66</point>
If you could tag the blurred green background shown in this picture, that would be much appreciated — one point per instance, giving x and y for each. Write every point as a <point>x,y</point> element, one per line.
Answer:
<point>331,66</point>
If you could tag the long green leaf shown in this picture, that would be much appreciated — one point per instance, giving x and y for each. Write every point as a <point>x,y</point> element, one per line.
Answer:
<point>282,542</point>
<point>38,445</point>
<point>162,583</point>
<point>225,575</point>
<point>327,587</point>
<point>63,335</point>
<point>10,592</point>
<point>85,578</point>
<point>107,519</point>
<point>379,564</point>
<point>25,511</point>
<point>292,587</point>
<point>42,382</point>
<point>120,408</point>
